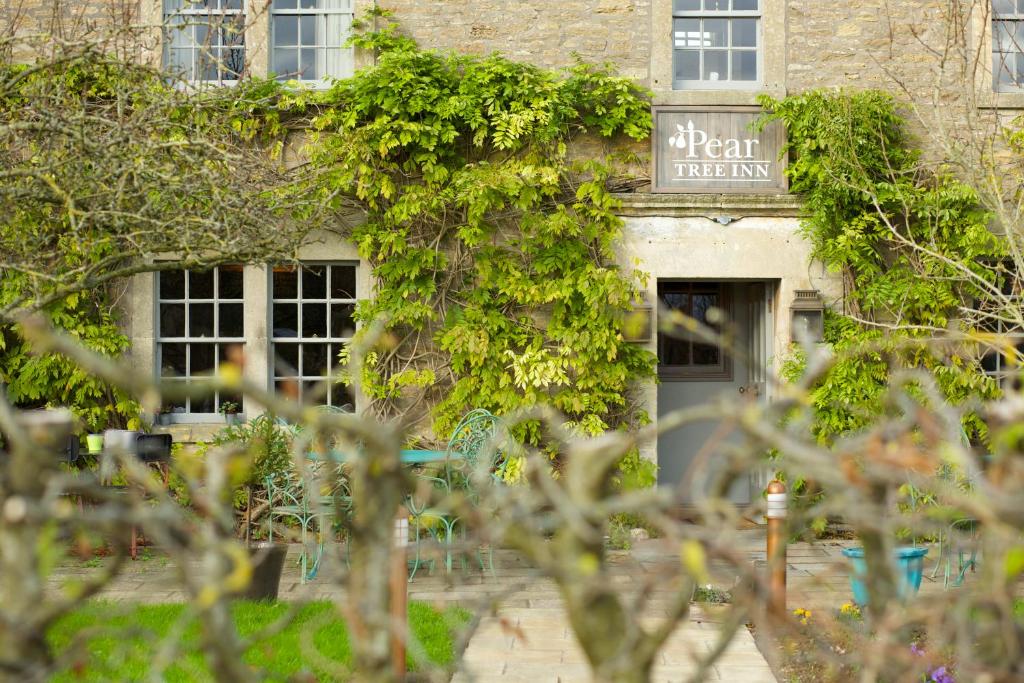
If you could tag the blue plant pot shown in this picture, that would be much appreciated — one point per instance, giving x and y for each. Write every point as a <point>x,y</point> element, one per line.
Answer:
<point>909,567</point>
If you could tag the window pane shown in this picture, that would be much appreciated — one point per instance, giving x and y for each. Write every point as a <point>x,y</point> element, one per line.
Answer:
<point>205,404</point>
<point>744,65</point>
<point>231,320</point>
<point>677,301</point>
<point>202,359</point>
<point>1003,39</point>
<point>202,34</point>
<point>172,284</point>
<point>343,282</point>
<point>686,32</point>
<point>744,5</point>
<point>307,66</point>
<point>234,63</point>
<point>288,388</point>
<point>284,4</point>
<point>341,320</point>
<point>714,32</point>
<point>314,282</point>
<point>702,303</point>
<point>673,351</point>
<point>285,284</point>
<point>176,405</point>
<point>1003,6</point>
<point>706,354</point>
<point>286,360</point>
<point>200,320</point>
<point>1020,6</point>
<point>208,66</point>
<point>342,397</point>
<point>231,4</point>
<point>744,32</point>
<point>314,360</point>
<point>172,360</point>
<point>1018,76</point>
<point>716,65</point>
<point>286,30</point>
<point>313,392</point>
<point>307,29</point>
<point>308,4</point>
<point>200,285</point>
<point>229,281</point>
<point>716,5</point>
<point>172,320</point>
<point>314,320</point>
<point>687,65</point>
<point>286,64</point>
<point>179,62</point>
<point>1002,68</point>
<point>286,320</point>
<point>685,5</point>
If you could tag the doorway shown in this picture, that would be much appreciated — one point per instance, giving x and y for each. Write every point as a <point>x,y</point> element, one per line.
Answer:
<point>695,370</point>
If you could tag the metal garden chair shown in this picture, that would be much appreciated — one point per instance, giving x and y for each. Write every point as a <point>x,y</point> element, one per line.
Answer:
<point>470,441</point>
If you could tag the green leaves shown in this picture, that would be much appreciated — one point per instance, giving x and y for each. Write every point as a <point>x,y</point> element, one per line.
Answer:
<point>913,245</point>
<point>493,252</point>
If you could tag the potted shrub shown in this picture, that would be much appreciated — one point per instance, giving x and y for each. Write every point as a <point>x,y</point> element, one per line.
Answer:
<point>164,416</point>
<point>230,410</point>
<point>268,447</point>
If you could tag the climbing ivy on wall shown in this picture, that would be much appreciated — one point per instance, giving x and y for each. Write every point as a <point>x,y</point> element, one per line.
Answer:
<point>871,204</point>
<point>492,246</point>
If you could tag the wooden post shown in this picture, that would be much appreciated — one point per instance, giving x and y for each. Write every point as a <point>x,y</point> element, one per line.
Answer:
<point>399,596</point>
<point>776,547</point>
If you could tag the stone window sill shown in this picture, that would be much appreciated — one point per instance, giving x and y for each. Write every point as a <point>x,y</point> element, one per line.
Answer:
<point>714,97</point>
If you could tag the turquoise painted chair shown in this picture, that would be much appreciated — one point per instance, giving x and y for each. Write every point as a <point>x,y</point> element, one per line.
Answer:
<point>471,440</point>
<point>291,500</point>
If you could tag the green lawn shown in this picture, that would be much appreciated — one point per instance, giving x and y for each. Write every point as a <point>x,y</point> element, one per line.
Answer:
<point>124,639</point>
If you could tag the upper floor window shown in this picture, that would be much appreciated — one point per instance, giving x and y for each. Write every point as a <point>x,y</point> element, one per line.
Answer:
<point>307,39</point>
<point>1008,44</point>
<point>716,44</point>
<point>205,39</point>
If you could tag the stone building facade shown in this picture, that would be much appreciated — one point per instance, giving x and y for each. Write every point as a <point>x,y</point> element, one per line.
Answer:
<point>707,241</point>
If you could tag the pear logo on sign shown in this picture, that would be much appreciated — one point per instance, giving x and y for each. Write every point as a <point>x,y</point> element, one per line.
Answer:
<point>709,158</point>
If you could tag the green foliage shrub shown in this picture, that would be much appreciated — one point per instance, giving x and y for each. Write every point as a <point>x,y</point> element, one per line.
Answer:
<point>492,248</point>
<point>870,205</point>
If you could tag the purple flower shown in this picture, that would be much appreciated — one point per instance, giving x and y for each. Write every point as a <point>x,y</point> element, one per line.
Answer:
<point>940,675</point>
<point>916,650</point>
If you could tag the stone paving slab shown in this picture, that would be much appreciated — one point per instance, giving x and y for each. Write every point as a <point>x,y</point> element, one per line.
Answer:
<point>537,644</point>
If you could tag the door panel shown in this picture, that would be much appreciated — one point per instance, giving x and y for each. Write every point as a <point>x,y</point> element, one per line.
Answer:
<point>687,457</point>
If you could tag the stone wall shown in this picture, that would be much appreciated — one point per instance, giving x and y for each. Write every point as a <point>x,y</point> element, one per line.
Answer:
<point>540,31</point>
<point>68,19</point>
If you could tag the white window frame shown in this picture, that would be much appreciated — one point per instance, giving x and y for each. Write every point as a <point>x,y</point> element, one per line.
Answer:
<point>193,14</point>
<point>721,84</point>
<point>216,340</point>
<point>1013,50</point>
<point>321,45</point>
<point>330,340</point>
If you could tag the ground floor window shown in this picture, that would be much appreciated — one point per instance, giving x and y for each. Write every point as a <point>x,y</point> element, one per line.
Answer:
<point>200,324</point>
<point>312,307</point>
